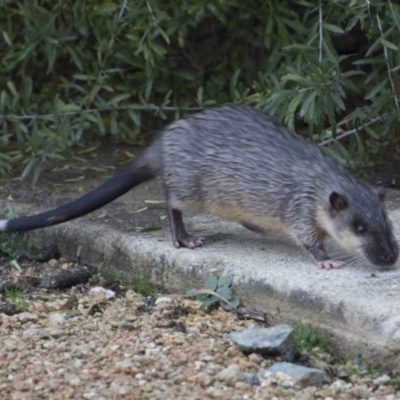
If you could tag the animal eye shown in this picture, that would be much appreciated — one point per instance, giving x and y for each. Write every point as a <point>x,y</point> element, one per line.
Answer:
<point>360,229</point>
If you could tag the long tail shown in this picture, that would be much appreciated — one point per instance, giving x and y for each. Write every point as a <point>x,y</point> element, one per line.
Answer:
<point>122,182</point>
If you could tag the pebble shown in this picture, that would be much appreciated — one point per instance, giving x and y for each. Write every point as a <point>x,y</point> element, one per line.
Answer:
<point>231,374</point>
<point>35,333</point>
<point>251,379</point>
<point>57,319</point>
<point>100,293</point>
<point>302,375</point>
<point>26,317</point>
<point>273,340</point>
<point>256,358</point>
<point>163,300</point>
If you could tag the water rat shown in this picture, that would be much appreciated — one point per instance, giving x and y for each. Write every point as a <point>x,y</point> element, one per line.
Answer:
<point>240,164</point>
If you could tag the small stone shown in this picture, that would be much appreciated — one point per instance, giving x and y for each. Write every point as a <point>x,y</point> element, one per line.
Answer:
<point>287,384</point>
<point>256,358</point>
<point>340,386</point>
<point>207,358</point>
<point>125,366</point>
<point>381,379</point>
<point>52,262</point>
<point>57,333</point>
<point>100,293</point>
<point>204,379</point>
<point>231,374</point>
<point>361,392</point>
<point>274,340</point>
<point>90,395</point>
<point>36,333</point>
<point>163,300</point>
<point>26,317</point>
<point>303,375</point>
<point>75,381</point>
<point>84,348</point>
<point>117,388</point>
<point>56,319</point>
<point>251,379</point>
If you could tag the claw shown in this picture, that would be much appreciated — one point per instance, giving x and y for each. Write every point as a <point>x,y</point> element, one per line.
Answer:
<point>190,242</point>
<point>330,264</point>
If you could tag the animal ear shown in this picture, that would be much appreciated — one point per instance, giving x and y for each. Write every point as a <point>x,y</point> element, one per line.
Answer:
<point>381,192</point>
<point>338,201</point>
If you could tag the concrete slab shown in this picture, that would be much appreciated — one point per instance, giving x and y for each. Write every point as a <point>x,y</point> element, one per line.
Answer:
<point>357,307</point>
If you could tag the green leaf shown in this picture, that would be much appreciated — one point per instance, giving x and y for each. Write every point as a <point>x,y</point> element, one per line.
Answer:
<point>388,44</point>
<point>208,301</point>
<point>225,280</point>
<point>119,97</point>
<point>200,95</point>
<point>371,132</point>
<point>234,300</point>
<point>225,292</point>
<point>147,91</point>
<point>233,84</point>
<point>332,28</point>
<point>211,282</point>
<point>191,292</point>
<point>298,78</point>
<point>309,99</point>
<point>377,89</point>
<point>12,88</point>
<point>6,38</point>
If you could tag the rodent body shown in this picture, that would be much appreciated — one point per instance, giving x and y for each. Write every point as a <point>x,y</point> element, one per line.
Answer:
<point>236,162</point>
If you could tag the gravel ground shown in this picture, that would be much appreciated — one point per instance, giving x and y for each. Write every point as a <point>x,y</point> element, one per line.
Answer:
<point>76,344</point>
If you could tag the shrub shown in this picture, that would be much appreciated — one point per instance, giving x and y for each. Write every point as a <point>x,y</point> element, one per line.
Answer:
<point>74,68</point>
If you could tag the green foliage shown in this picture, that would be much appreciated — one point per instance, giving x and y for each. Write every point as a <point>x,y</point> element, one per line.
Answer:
<point>305,337</point>
<point>15,244</point>
<point>71,68</point>
<point>98,278</point>
<point>221,286</point>
<point>140,285</point>
<point>18,297</point>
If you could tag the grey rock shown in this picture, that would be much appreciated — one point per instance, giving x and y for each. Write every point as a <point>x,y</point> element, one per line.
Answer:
<point>274,340</point>
<point>231,374</point>
<point>36,333</point>
<point>26,317</point>
<point>303,375</point>
<point>56,319</point>
<point>251,379</point>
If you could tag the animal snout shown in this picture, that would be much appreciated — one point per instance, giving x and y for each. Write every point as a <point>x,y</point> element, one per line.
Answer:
<point>389,257</point>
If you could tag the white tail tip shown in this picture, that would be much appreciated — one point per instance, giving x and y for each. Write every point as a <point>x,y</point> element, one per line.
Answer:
<point>3,224</point>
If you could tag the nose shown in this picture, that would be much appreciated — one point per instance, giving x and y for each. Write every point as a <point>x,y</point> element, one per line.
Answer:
<point>389,257</point>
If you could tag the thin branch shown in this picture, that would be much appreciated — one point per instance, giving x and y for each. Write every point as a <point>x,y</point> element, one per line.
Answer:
<point>94,110</point>
<point>320,32</point>
<point>396,21</point>
<point>123,8</point>
<point>348,133</point>
<point>387,64</point>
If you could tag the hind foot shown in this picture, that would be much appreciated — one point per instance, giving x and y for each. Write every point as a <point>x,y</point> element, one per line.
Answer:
<point>330,264</point>
<point>188,241</point>
<point>180,238</point>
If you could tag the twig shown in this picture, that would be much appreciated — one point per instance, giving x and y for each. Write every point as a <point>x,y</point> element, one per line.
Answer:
<point>320,32</point>
<point>387,64</point>
<point>94,110</point>
<point>123,8</point>
<point>348,133</point>
<point>397,22</point>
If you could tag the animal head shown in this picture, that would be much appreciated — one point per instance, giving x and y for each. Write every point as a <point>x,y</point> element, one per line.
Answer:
<point>359,223</point>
